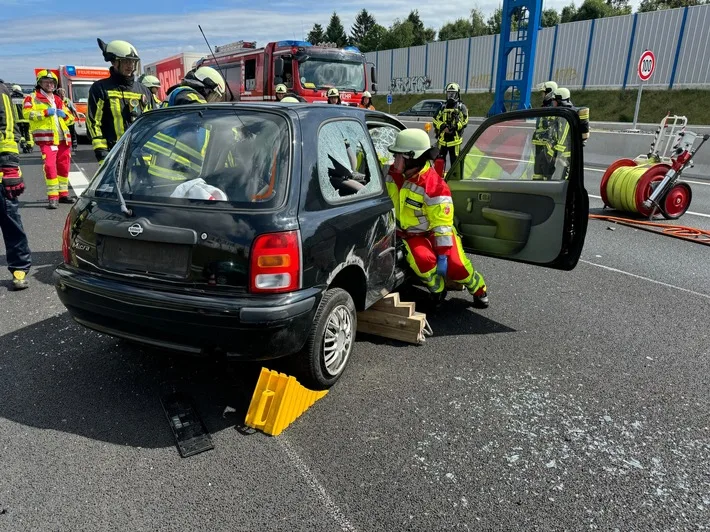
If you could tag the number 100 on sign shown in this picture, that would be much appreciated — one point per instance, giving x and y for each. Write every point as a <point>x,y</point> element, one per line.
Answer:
<point>647,64</point>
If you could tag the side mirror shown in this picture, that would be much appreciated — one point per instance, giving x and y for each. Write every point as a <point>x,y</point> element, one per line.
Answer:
<point>373,75</point>
<point>374,88</point>
<point>279,67</point>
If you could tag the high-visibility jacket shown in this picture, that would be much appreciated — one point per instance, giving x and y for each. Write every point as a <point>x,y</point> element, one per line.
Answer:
<point>47,129</point>
<point>157,103</point>
<point>423,206</point>
<point>368,106</point>
<point>177,154</point>
<point>113,106</point>
<point>9,132</point>
<point>456,124</point>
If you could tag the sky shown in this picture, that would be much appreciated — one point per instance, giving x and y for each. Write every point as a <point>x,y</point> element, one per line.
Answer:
<point>159,28</point>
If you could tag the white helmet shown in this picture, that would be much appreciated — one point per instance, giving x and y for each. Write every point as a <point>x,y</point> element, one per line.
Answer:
<point>209,79</point>
<point>412,143</point>
<point>150,81</point>
<point>118,50</point>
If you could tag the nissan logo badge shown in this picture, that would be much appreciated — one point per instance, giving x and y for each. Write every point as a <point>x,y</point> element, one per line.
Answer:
<point>135,230</point>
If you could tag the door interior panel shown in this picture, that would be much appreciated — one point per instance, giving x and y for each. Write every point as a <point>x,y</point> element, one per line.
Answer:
<point>510,219</point>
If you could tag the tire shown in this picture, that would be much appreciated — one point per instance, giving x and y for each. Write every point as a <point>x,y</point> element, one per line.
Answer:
<point>337,313</point>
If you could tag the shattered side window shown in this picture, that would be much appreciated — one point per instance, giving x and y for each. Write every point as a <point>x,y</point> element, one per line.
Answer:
<point>383,137</point>
<point>347,165</point>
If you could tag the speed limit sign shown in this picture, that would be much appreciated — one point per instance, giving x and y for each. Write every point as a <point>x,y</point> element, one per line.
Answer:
<point>647,64</point>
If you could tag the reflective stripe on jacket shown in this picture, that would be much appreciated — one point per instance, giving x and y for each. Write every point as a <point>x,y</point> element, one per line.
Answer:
<point>444,117</point>
<point>423,205</point>
<point>46,129</point>
<point>113,106</point>
<point>9,132</point>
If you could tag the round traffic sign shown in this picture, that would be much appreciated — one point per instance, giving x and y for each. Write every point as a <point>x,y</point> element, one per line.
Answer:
<point>647,64</point>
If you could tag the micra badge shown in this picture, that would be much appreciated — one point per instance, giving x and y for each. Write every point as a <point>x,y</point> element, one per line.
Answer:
<point>135,230</point>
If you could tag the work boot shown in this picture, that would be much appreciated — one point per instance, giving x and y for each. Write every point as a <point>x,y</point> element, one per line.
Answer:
<point>18,280</point>
<point>66,199</point>
<point>480,298</point>
<point>437,299</point>
<point>53,203</point>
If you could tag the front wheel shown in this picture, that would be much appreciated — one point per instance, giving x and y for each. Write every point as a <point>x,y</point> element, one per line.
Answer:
<point>327,351</point>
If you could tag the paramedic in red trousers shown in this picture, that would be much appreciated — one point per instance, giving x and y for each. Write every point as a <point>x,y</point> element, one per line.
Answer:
<point>425,219</point>
<point>11,186</point>
<point>49,126</point>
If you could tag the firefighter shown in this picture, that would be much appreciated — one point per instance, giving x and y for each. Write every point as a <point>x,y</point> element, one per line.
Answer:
<point>333,95</point>
<point>49,125</point>
<point>281,91</point>
<point>200,85</point>
<point>115,102</point>
<point>153,85</point>
<point>75,115</point>
<point>449,124</point>
<point>18,99</point>
<point>424,213</point>
<point>542,169</point>
<point>366,101</point>
<point>17,249</point>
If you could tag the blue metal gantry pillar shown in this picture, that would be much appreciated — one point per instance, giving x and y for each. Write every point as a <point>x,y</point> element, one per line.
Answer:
<point>520,22</point>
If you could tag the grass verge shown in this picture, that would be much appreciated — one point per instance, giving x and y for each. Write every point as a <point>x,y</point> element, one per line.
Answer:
<point>604,105</point>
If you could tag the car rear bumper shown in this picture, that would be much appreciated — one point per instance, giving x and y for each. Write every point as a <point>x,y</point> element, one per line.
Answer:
<point>248,327</point>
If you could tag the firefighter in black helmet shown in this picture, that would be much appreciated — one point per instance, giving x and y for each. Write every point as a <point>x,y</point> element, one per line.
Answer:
<point>115,102</point>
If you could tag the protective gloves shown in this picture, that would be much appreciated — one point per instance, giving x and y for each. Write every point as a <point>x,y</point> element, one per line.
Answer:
<point>442,265</point>
<point>61,113</point>
<point>50,111</point>
<point>11,185</point>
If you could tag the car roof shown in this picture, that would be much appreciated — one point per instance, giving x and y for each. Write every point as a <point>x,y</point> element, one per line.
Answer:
<point>300,108</point>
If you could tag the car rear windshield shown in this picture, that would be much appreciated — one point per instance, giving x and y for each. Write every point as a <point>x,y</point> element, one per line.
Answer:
<point>188,156</point>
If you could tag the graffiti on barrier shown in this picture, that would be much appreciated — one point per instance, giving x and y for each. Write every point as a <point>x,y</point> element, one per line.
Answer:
<point>565,76</point>
<point>414,84</point>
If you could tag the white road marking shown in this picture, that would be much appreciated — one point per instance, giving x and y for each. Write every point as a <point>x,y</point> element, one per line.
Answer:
<point>706,296</point>
<point>78,181</point>
<point>335,512</point>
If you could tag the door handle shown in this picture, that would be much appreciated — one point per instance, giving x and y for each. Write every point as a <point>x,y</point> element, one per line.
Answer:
<point>469,205</point>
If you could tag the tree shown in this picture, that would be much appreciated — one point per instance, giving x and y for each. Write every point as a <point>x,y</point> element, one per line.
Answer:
<point>618,7</point>
<point>373,39</point>
<point>591,9</point>
<point>478,23</point>
<point>316,35</point>
<point>399,35</point>
<point>422,35</point>
<point>568,14</point>
<point>364,22</point>
<point>550,18</point>
<point>495,21</point>
<point>657,5</point>
<point>335,32</point>
<point>458,29</point>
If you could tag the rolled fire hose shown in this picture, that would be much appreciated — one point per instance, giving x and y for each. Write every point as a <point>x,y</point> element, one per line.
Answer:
<point>627,184</point>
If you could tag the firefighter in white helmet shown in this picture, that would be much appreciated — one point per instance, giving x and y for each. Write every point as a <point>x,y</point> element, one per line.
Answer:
<point>200,85</point>
<point>424,213</point>
<point>153,85</point>
<point>449,124</point>
<point>116,101</point>
<point>366,101</point>
<point>333,95</point>
<point>281,92</point>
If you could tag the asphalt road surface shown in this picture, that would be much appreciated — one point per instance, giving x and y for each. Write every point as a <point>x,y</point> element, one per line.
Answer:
<point>578,400</point>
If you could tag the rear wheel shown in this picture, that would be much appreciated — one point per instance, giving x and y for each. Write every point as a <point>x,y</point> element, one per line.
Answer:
<point>677,201</point>
<point>327,351</point>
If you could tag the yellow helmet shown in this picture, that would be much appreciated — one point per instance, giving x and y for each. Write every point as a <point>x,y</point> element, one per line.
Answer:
<point>118,50</point>
<point>281,89</point>
<point>333,92</point>
<point>47,74</point>
<point>412,143</point>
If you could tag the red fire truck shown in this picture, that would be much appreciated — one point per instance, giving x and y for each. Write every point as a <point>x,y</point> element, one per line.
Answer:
<point>307,70</point>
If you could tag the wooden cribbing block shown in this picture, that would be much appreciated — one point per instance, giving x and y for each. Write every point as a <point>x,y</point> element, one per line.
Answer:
<point>392,318</point>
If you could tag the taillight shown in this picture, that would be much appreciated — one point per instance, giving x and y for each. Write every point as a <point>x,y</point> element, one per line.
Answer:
<point>275,263</point>
<point>66,245</point>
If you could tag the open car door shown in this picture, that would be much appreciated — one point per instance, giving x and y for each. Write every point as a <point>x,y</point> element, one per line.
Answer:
<point>518,188</point>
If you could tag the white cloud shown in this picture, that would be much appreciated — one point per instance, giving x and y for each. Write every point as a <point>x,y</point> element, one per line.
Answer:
<point>158,36</point>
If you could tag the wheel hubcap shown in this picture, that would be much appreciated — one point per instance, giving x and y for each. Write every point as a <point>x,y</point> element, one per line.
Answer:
<point>338,340</point>
<point>676,201</point>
